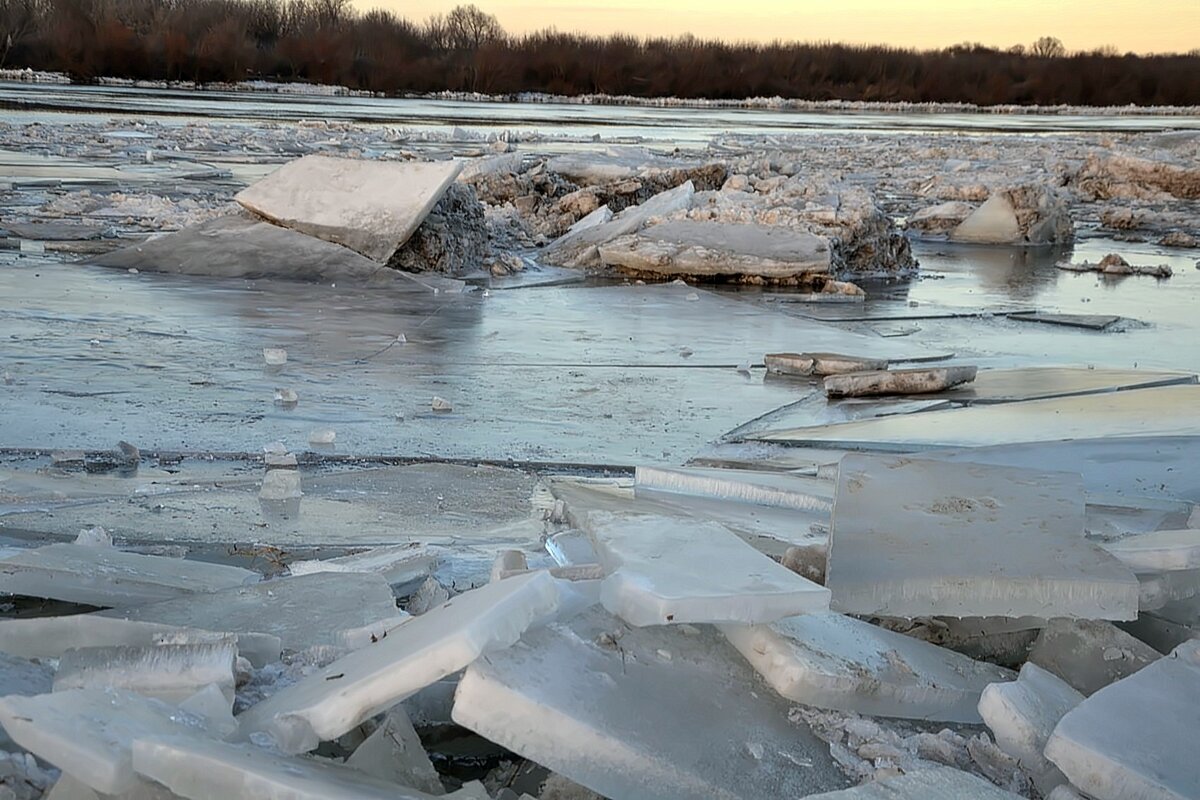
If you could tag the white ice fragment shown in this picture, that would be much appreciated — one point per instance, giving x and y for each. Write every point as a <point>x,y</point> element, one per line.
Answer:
<point>508,563</point>
<point>214,706</point>
<point>938,783</point>
<point>371,207</point>
<point>286,397</point>
<point>275,356</point>
<point>571,548</point>
<point>441,404</point>
<point>398,564</point>
<point>595,702</point>
<point>105,576</point>
<point>171,673</point>
<point>280,484</point>
<point>837,662</point>
<point>322,436</point>
<point>303,611</point>
<point>1158,551</point>
<point>94,537</point>
<point>913,538</point>
<point>275,449</point>
<point>51,637</point>
<point>1089,654</point>
<point>1022,715</point>
<point>1135,739</point>
<point>333,700</point>
<point>199,769</point>
<point>395,753</point>
<point>88,733</point>
<point>428,596</point>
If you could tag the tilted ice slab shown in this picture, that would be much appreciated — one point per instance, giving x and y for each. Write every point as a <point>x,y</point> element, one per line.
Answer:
<point>834,661</point>
<point>1022,715</point>
<point>942,783</point>
<point>371,207</point>
<point>105,576</point>
<point>673,570</point>
<point>50,637</point>
<point>200,769</point>
<point>170,672</point>
<point>1089,654</point>
<point>716,249</point>
<point>761,488</point>
<point>1136,739</point>
<point>913,538</point>
<point>88,733</point>
<point>924,380</point>
<point>581,248</point>
<point>1158,551</point>
<point>438,643</point>
<point>804,364</point>
<point>398,564</point>
<point>659,713</point>
<point>303,611</point>
<point>394,753</point>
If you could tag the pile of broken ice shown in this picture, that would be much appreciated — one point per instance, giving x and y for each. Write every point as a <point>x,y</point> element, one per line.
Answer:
<point>675,650</point>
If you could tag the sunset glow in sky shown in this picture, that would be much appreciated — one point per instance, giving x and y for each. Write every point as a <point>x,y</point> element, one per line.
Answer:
<point>1137,25</point>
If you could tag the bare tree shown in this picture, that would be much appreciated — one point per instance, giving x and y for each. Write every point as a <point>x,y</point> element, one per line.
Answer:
<point>469,28</point>
<point>1048,47</point>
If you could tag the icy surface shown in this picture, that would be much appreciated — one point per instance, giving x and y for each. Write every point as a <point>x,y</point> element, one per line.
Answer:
<point>939,783</point>
<point>170,672</point>
<point>601,704</point>
<point>1089,654</point>
<point>671,570</point>
<point>1159,550</point>
<point>333,700</point>
<point>762,488</point>
<point>198,768</point>
<point>302,611</point>
<point>834,661</point>
<point>1022,715</point>
<point>104,576</point>
<point>88,733</point>
<point>367,206</point>
<point>1134,739</point>
<point>913,538</point>
<point>395,753</point>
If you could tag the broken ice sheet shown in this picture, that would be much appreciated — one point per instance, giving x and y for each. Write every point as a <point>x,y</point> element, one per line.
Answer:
<point>923,380</point>
<point>1022,715</point>
<point>200,768</point>
<point>1089,654</point>
<point>170,672</point>
<point>105,576</point>
<point>602,704</point>
<point>941,783</point>
<point>50,637</point>
<point>1135,739</point>
<point>762,488</point>
<point>395,753</point>
<point>303,611</point>
<point>837,662</point>
<point>333,700</point>
<point>88,733</point>
<point>398,564</point>
<point>672,570</point>
<point>914,538</point>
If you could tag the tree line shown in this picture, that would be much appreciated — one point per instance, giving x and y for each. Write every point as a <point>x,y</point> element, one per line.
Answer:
<point>327,41</point>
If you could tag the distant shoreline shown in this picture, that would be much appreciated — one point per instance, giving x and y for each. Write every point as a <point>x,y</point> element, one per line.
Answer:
<point>301,89</point>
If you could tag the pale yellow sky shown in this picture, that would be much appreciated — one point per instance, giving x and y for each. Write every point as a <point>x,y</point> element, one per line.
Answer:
<point>1137,25</point>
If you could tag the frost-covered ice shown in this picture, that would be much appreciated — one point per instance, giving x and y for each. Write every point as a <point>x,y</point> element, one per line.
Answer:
<point>1022,714</point>
<point>169,672</point>
<point>914,538</point>
<point>938,783</point>
<point>333,700</point>
<point>1135,739</point>
<point>837,662</point>
<point>395,753</point>
<point>602,704</point>
<point>1089,654</point>
<point>671,570</point>
<point>88,733</point>
<point>105,576</point>
<point>746,486</point>
<point>303,611</point>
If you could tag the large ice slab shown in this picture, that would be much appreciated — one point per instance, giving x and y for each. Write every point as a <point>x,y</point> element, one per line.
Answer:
<point>51,637</point>
<point>371,207</point>
<point>655,713</point>
<point>398,564</point>
<point>1159,411</point>
<point>169,672</point>
<point>1022,715</point>
<point>581,248</point>
<point>199,769</point>
<point>671,570</point>
<point>837,662</point>
<point>718,249</point>
<point>1089,654</point>
<point>442,641</point>
<point>745,486</point>
<point>88,733</point>
<point>1158,551</point>
<point>912,538</point>
<point>306,610</point>
<point>942,783</point>
<point>1136,739</point>
<point>924,380</point>
<point>105,576</point>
